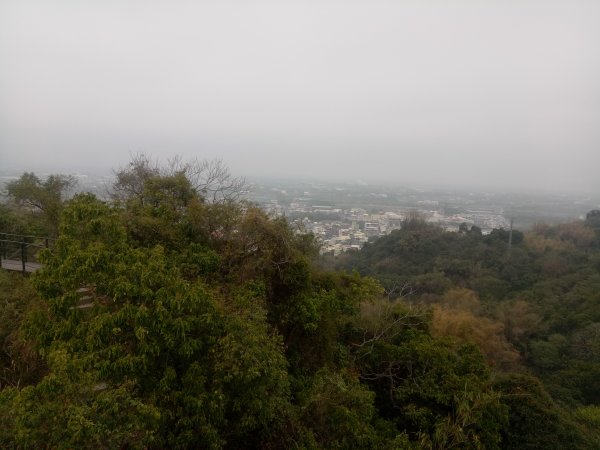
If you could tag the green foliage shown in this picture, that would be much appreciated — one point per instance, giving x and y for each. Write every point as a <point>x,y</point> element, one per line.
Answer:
<point>177,317</point>
<point>159,216</point>
<point>535,421</point>
<point>543,296</point>
<point>45,197</point>
<point>148,327</point>
<point>338,412</point>
<point>589,418</point>
<point>19,363</point>
<point>251,373</point>
<point>430,388</point>
<point>547,355</point>
<point>431,261</point>
<point>70,409</point>
<point>16,220</point>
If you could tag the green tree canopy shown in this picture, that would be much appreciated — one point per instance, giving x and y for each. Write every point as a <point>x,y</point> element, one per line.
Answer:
<point>43,197</point>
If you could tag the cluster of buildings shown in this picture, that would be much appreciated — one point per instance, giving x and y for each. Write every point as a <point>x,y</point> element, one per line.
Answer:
<point>486,220</point>
<point>340,230</point>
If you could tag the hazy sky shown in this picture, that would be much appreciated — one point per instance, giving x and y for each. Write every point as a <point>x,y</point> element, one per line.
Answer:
<point>479,92</point>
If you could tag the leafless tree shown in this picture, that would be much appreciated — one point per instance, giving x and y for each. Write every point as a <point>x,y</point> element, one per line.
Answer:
<point>212,180</point>
<point>131,180</point>
<point>399,291</point>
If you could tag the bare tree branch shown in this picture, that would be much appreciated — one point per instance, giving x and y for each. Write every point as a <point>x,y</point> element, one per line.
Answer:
<point>214,182</point>
<point>210,179</point>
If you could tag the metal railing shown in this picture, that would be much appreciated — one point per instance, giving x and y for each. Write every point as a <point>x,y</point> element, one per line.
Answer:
<point>19,251</point>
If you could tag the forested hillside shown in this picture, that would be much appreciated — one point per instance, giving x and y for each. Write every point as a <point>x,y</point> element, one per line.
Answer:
<point>177,316</point>
<point>531,307</point>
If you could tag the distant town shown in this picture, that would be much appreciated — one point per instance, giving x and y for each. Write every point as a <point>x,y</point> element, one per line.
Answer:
<point>344,216</point>
<point>340,229</point>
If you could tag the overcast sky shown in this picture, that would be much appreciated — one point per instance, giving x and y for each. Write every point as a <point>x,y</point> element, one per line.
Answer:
<point>473,92</point>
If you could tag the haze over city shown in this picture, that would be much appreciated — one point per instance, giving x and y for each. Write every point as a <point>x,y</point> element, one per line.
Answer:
<point>498,94</point>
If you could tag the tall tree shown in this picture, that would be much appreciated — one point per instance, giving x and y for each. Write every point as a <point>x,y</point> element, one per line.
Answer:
<point>43,197</point>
